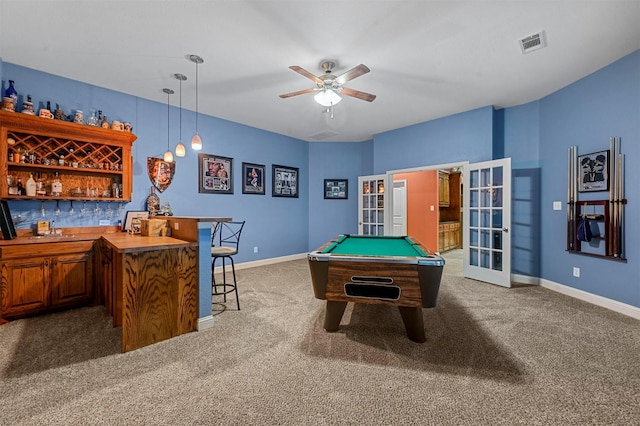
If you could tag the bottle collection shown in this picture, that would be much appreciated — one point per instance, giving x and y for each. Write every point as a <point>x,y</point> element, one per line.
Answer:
<point>97,119</point>
<point>50,185</point>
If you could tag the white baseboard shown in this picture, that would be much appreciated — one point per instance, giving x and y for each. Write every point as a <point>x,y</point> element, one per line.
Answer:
<point>525,279</point>
<point>205,322</point>
<point>614,305</point>
<point>263,262</point>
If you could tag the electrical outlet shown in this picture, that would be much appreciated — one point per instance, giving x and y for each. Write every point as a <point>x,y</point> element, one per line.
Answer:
<point>576,272</point>
<point>557,205</point>
<point>104,222</point>
<point>176,226</point>
<point>255,249</point>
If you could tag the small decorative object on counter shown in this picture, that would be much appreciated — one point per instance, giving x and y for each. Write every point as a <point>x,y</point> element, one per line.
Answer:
<point>27,106</point>
<point>153,202</point>
<point>11,92</point>
<point>78,117</point>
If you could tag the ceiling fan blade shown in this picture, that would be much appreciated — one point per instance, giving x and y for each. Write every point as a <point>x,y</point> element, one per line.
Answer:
<point>305,73</point>
<point>299,92</point>
<point>358,94</point>
<point>352,73</point>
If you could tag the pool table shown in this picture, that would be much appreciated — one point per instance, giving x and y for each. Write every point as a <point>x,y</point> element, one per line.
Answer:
<point>392,270</point>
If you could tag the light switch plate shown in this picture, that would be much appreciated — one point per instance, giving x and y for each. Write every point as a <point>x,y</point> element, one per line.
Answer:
<point>104,222</point>
<point>557,205</point>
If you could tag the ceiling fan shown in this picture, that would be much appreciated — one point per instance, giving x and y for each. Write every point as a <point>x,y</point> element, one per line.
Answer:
<point>329,87</point>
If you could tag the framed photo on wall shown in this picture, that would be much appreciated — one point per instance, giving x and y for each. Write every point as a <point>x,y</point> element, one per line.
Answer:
<point>132,220</point>
<point>336,189</point>
<point>215,174</point>
<point>285,181</point>
<point>252,178</point>
<point>594,172</point>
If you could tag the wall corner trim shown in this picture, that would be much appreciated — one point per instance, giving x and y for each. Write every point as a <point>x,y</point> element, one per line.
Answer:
<point>205,322</point>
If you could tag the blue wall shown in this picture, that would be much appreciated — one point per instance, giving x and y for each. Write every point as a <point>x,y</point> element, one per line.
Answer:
<point>459,137</point>
<point>277,226</point>
<point>586,114</point>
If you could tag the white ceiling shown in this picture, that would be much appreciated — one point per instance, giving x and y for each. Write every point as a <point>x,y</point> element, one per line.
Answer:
<point>428,59</point>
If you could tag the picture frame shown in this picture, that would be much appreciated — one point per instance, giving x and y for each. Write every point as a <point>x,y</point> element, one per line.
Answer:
<point>215,174</point>
<point>253,178</point>
<point>284,181</point>
<point>336,189</point>
<point>593,172</point>
<point>132,220</point>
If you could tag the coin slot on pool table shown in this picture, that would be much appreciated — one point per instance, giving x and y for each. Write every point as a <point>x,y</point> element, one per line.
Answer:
<point>372,291</point>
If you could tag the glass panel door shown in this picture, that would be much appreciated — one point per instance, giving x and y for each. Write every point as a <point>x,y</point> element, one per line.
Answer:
<point>487,255</point>
<point>371,202</point>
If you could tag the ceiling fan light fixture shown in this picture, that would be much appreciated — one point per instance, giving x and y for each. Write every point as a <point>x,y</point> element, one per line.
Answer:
<point>327,98</point>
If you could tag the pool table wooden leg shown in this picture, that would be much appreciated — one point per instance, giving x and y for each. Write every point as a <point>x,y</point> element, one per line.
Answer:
<point>413,323</point>
<point>333,315</point>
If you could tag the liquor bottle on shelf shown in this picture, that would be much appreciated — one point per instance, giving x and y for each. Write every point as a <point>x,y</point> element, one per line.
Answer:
<point>40,186</point>
<point>31,186</point>
<point>20,187</point>
<point>56,186</point>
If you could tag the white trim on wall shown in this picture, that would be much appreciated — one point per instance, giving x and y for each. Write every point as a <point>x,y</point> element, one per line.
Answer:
<point>614,305</point>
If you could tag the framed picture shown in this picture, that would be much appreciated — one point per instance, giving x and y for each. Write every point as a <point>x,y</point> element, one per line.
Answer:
<point>336,189</point>
<point>285,181</point>
<point>594,172</point>
<point>215,174</point>
<point>252,178</point>
<point>132,220</point>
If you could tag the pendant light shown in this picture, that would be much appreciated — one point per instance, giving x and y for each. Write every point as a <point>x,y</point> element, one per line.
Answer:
<point>168,156</point>
<point>180,149</point>
<point>196,142</point>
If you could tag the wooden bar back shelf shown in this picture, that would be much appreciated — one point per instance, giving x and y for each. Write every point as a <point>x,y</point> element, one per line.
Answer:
<point>94,158</point>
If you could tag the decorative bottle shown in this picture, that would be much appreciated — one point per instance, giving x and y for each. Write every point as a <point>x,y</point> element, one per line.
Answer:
<point>56,186</point>
<point>20,187</point>
<point>40,186</point>
<point>11,92</point>
<point>31,186</point>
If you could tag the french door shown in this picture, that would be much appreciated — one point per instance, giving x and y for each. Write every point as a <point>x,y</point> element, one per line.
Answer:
<point>371,204</point>
<point>487,220</point>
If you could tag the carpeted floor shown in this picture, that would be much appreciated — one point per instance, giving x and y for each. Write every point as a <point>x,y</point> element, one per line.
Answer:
<point>493,356</point>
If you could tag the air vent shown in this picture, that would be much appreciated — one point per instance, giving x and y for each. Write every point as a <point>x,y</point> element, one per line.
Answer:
<point>532,42</point>
<point>325,134</point>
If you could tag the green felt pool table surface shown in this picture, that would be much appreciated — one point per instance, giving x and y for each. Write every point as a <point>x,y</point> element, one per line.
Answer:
<point>367,245</point>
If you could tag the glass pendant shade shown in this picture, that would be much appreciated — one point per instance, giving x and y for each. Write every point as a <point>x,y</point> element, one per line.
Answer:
<point>196,142</point>
<point>168,156</point>
<point>180,150</point>
<point>327,98</point>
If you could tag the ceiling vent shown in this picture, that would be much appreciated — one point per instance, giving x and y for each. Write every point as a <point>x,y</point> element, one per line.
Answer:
<point>325,134</point>
<point>533,42</point>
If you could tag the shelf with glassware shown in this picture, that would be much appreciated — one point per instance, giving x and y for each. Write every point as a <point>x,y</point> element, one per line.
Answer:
<point>89,163</point>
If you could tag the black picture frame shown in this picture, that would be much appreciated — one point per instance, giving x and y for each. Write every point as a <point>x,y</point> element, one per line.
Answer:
<point>132,220</point>
<point>593,172</point>
<point>253,178</point>
<point>6,222</point>
<point>336,189</point>
<point>284,181</point>
<point>215,174</point>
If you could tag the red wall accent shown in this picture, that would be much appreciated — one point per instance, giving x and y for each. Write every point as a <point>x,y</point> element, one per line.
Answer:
<point>422,193</point>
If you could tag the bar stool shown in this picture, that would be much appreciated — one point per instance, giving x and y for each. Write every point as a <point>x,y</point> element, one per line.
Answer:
<point>225,240</point>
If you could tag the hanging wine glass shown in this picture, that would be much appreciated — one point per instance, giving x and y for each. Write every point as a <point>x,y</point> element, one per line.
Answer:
<point>43,210</point>
<point>98,210</point>
<point>109,211</point>
<point>120,209</point>
<point>72,210</point>
<point>57,210</point>
<point>84,209</point>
